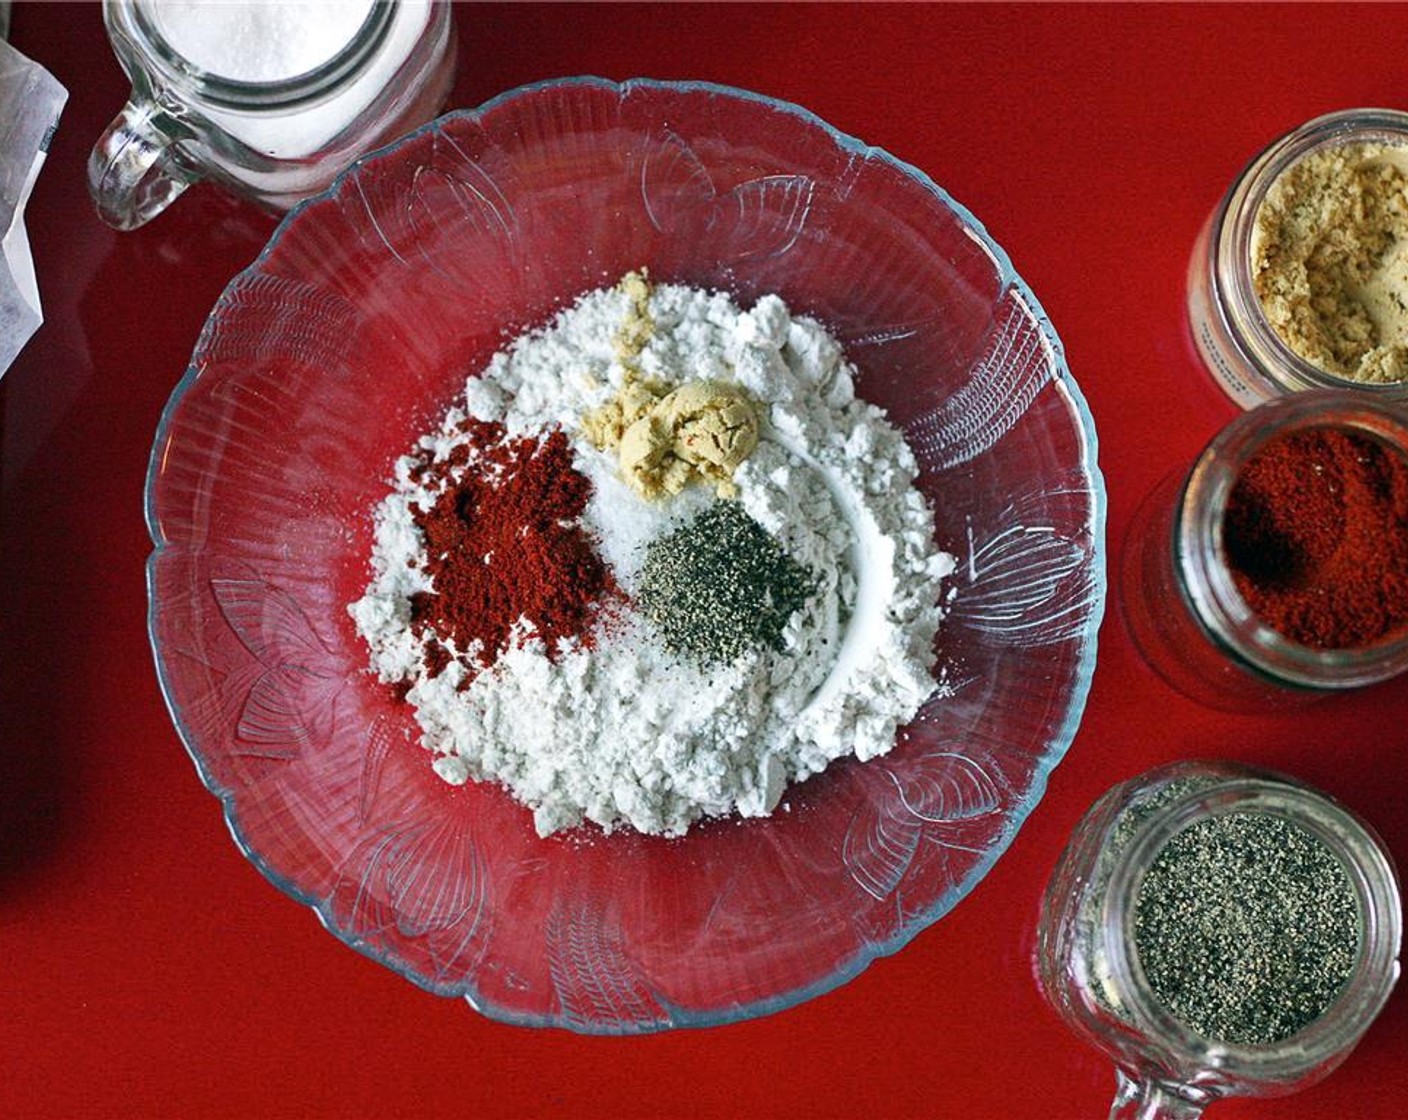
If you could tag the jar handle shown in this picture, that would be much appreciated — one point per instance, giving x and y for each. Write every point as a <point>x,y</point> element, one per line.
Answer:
<point>1147,1099</point>
<point>132,173</point>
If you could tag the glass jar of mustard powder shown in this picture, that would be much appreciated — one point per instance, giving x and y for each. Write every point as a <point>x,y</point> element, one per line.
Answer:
<point>1179,589</point>
<point>1270,318</point>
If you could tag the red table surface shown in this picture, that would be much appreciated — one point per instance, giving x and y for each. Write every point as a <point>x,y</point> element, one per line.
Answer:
<point>147,969</point>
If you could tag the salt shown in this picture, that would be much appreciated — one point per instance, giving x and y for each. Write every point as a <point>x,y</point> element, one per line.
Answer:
<point>255,41</point>
<point>260,41</point>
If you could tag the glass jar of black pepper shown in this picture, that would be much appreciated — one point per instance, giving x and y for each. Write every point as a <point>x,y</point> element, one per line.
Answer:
<point>1243,350</point>
<point>1218,931</point>
<point>1183,573</point>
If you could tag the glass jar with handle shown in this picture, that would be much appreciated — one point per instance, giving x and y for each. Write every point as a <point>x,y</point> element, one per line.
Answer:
<point>1100,936</point>
<point>269,100</point>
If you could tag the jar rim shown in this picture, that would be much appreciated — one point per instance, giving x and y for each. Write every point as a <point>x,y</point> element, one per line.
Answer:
<point>221,92</point>
<point>1229,249</point>
<point>1359,850</point>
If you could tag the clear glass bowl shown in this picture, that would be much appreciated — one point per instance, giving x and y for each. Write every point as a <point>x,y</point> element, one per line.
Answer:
<point>351,333</point>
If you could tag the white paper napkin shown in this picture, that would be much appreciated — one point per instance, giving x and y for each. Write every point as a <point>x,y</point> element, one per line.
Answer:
<point>31,100</point>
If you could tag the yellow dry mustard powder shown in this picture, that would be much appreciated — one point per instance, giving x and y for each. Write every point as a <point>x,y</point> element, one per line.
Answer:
<point>605,426</point>
<point>1330,260</point>
<point>702,430</point>
<point>638,326</point>
<point>667,438</point>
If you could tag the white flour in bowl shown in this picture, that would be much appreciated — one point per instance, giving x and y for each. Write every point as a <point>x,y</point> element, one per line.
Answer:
<point>621,730</point>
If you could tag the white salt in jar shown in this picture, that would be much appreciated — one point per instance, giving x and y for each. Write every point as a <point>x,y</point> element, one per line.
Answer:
<point>270,98</point>
<point>1283,867</point>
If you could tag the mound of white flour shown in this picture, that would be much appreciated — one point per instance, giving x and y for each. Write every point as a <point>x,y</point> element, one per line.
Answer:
<point>626,732</point>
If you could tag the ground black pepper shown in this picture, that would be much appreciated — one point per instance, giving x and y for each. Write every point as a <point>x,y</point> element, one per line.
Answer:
<point>1247,927</point>
<point>720,586</point>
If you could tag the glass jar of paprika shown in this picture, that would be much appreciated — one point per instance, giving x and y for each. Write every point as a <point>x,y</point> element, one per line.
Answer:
<point>1275,571</point>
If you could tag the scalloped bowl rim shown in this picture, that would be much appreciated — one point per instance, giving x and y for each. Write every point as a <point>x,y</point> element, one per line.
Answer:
<point>1083,671</point>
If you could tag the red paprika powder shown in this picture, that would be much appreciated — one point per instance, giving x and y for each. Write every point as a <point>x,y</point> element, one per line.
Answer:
<point>504,545</point>
<point>1316,537</point>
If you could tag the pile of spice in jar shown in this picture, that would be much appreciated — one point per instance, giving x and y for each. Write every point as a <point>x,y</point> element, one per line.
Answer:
<point>1299,278</point>
<point>1330,260</point>
<point>1316,537</point>
<point>1247,927</point>
<point>659,563</point>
